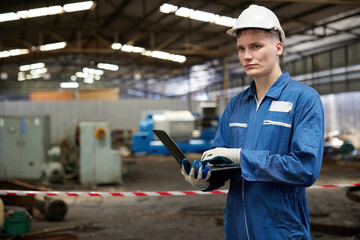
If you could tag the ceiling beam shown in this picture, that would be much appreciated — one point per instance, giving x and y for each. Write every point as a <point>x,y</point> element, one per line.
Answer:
<point>18,40</point>
<point>169,41</point>
<point>137,24</point>
<point>333,2</point>
<point>204,52</point>
<point>115,13</point>
<point>309,26</point>
<point>104,41</point>
<point>150,27</point>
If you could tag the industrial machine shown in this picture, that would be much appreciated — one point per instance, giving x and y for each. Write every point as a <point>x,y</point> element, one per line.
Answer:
<point>24,141</point>
<point>99,164</point>
<point>207,120</point>
<point>192,133</point>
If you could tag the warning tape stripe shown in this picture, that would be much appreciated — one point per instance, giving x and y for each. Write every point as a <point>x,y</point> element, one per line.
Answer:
<point>136,194</point>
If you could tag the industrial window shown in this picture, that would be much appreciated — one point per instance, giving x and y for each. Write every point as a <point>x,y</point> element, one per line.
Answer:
<point>308,64</point>
<point>324,61</point>
<point>338,57</point>
<point>289,67</point>
<point>353,53</point>
<point>299,67</point>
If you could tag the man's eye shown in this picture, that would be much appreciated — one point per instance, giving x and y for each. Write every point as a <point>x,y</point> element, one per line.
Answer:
<point>256,46</point>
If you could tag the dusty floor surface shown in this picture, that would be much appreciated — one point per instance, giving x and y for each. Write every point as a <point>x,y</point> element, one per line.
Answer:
<point>191,217</point>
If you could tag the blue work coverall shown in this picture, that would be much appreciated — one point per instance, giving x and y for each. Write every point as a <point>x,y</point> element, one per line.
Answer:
<point>282,146</point>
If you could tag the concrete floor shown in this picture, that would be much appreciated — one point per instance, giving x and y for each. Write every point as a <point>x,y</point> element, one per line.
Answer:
<point>192,217</point>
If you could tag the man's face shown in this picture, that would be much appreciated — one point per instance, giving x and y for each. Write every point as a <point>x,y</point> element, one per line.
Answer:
<point>258,52</point>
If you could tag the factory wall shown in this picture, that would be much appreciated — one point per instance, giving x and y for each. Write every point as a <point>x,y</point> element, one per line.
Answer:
<point>342,112</point>
<point>65,115</point>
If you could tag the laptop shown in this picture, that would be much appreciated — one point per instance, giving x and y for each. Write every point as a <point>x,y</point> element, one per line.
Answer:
<point>179,155</point>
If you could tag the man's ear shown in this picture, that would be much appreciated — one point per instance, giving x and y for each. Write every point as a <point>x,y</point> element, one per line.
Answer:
<point>279,48</point>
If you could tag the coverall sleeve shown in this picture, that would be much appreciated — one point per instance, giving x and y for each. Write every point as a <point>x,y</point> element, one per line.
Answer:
<point>302,165</point>
<point>218,180</point>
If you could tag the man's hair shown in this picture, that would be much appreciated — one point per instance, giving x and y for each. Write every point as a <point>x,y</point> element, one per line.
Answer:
<point>266,30</point>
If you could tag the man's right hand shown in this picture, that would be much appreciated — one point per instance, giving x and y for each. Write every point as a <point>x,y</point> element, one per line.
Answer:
<point>221,155</point>
<point>196,173</point>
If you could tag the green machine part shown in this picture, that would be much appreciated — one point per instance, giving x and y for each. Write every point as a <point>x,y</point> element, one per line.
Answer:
<point>17,223</point>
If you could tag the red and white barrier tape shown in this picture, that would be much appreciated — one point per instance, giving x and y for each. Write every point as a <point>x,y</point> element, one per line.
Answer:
<point>135,194</point>
<point>107,194</point>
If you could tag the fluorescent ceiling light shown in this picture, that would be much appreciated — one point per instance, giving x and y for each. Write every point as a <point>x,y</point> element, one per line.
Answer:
<point>80,75</point>
<point>116,46</point>
<point>88,80</point>
<point>4,17</point>
<point>13,52</point>
<point>55,10</point>
<point>36,12</point>
<point>168,8</point>
<point>37,65</point>
<point>32,71</point>
<point>29,67</point>
<point>184,12</point>
<point>16,52</point>
<point>4,75</point>
<point>79,6</point>
<point>39,12</point>
<point>38,71</point>
<point>130,48</point>
<point>177,58</point>
<point>160,54</point>
<point>127,48</point>
<point>69,85</point>
<point>33,76</point>
<point>4,54</point>
<point>225,21</point>
<point>21,76</point>
<point>92,71</point>
<point>202,16</point>
<point>108,66</point>
<point>154,54</point>
<point>138,50</point>
<point>44,11</point>
<point>52,46</point>
<point>22,14</point>
<point>198,15</point>
<point>147,53</point>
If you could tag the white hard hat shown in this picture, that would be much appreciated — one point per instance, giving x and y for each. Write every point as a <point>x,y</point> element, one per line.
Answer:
<point>258,17</point>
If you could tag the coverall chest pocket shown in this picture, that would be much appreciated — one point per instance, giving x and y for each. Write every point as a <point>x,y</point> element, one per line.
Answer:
<point>279,131</point>
<point>238,134</point>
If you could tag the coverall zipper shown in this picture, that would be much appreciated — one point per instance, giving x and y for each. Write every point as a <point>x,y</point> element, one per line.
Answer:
<point>243,181</point>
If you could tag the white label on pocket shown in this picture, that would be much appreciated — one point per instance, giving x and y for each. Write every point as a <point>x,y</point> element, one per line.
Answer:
<point>281,106</point>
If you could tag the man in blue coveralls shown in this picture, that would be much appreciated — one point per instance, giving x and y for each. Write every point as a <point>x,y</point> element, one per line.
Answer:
<point>275,130</point>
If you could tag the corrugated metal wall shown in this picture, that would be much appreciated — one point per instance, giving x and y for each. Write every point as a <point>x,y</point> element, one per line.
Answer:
<point>64,115</point>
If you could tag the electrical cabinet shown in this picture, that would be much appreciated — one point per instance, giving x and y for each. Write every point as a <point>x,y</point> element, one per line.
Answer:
<point>99,164</point>
<point>24,142</point>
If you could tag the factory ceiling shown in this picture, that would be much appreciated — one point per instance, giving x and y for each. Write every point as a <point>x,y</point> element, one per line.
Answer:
<point>138,35</point>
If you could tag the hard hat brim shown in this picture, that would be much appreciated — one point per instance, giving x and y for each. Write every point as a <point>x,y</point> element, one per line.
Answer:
<point>233,31</point>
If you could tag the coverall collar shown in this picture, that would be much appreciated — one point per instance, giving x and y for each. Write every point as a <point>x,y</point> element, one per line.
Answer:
<point>275,90</point>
